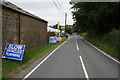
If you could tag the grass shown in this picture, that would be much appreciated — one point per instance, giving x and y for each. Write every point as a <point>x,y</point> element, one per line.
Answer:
<point>12,67</point>
<point>106,46</point>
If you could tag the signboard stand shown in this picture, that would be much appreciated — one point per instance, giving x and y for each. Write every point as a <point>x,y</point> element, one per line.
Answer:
<point>52,39</point>
<point>59,39</point>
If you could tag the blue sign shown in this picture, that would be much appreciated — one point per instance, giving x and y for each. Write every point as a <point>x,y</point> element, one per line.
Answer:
<point>14,51</point>
<point>53,39</point>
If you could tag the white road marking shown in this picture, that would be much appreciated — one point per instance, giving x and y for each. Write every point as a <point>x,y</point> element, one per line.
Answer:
<point>77,47</point>
<point>42,62</point>
<point>102,52</point>
<point>84,69</point>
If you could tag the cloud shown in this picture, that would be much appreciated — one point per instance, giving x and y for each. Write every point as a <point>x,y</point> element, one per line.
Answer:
<point>47,11</point>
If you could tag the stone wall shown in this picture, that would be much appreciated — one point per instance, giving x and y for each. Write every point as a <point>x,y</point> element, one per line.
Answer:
<point>9,27</point>
<point>32,31</point>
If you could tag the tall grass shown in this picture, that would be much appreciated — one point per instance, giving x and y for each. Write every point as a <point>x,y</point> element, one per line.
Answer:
<point>108,42</point>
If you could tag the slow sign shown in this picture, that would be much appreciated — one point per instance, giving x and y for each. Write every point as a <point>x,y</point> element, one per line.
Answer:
<point>14,51</point>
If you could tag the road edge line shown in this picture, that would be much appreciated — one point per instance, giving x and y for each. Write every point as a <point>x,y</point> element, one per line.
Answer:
<point>84,69</point>
<point>102,51</point>
<point>42,61</point>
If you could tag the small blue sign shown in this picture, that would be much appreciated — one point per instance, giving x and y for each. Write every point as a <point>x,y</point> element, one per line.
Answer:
<point>52,39</point>
<point>14,51</point>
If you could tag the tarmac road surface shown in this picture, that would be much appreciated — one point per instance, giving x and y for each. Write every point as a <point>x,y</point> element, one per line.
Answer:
<point>75,58</point>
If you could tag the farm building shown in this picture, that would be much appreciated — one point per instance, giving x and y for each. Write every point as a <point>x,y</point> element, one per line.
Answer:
<point>22,27</point>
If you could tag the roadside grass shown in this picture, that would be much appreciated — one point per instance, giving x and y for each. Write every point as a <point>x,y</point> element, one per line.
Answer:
<point>12,67</point>
<point>106,46</point>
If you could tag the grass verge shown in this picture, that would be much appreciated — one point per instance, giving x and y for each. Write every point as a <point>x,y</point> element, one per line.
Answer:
<point>105,46</point>
<point>11,67</point>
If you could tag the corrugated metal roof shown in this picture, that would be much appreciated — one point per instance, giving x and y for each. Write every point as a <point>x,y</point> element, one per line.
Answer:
<point>18,9</point>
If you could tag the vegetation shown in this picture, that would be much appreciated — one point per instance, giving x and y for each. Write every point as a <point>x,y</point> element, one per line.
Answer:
<point>56,26</point>
<point>108,43</point>
<point>100,22</point>
<point>69,29</point>
<point>11,67</point>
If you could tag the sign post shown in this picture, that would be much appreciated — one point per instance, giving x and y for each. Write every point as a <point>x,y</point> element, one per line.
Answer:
<point>58,24</point>
<point>14,51</point>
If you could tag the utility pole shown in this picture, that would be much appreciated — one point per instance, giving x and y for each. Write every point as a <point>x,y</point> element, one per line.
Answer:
<point>65,21</point>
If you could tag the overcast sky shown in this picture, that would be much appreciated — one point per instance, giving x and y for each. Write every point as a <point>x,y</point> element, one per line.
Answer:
<point>46,9</point>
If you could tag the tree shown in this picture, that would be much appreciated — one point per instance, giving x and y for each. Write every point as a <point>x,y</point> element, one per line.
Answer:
<point>96,18</point>
<point>69,29</point>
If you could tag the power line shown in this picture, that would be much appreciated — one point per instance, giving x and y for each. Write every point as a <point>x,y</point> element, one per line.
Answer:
<point>63,12</point>
<point>60,10</point>
<point>57,7</point>
<point>60,6</point>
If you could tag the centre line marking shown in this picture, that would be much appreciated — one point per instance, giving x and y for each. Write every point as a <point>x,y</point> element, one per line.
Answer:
<point>84,69</point>
<point>77,47</point>
<point>42,61</point>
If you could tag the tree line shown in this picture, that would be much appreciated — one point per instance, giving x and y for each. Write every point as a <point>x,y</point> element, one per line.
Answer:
<point>96,18</point>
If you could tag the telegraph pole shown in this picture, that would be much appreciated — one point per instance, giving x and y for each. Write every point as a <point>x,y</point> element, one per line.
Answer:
<point>65,21</point>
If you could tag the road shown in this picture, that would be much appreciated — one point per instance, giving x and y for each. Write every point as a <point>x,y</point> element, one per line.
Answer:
<point>75,58</point>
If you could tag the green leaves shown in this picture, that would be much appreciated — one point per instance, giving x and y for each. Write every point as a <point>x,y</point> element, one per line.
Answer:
<point>98,18</point>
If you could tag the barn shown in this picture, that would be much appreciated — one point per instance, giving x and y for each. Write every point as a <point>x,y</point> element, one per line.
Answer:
<point>22,27</point>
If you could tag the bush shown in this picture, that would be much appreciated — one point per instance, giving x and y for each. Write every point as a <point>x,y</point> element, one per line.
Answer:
<point>108,42</point>
<point>84,35</point>
<point>112,38</point>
